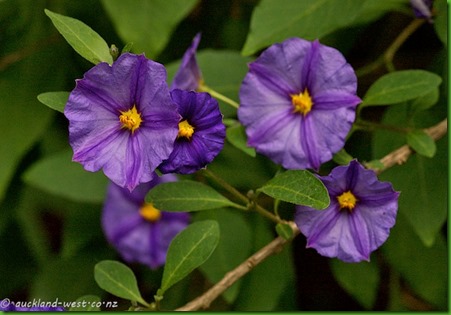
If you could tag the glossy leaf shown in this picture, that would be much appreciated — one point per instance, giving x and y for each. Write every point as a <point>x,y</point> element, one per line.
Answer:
<point>274,21</point>
<point>234,230</point>
<point>422,143</point>
<point>360,280</point>
<point>83,39</point>
<point>237,137</point>
<point>118,279</point>
<point>54,100</point>
<point>86,303</point>
<point>299,187</point>
<point>58,175</point>
<point>401,86</point>
<point>426,101</point>
<point>186,195</point>
<point>188,250</point>
<point>147,24</point>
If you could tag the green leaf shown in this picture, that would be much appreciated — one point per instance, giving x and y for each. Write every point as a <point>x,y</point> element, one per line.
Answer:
<point>85,303</point>
<point>54,100</point>
<point>441,20</point>
<point>188,250</point>
<point>422,143</point>
<point>275,21</point>
<point>24,120</point>
<point>186,195</point>
<point>58,175</point>
<point>360,280</point>
<point>52,280</point>
<point>235,229</point>
<point>284,230</point>
<point>423,268</point>
<point>263,287</point>
<point>118,279</point>
<point>420,180</point>
<point>299,187</point>
<point>426,101</point>
<point>401,86</point>
<point>237,137</point>
<point>83,39</point>
<point>147,24</point>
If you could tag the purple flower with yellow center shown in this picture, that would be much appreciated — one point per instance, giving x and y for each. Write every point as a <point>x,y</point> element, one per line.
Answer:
<point>358,220</point>
<point>298,103</point>
<point>188,76</point>
<point>140,232</point>
<point>201,133</point>
<point>422,9</point>
<point>122,119</point>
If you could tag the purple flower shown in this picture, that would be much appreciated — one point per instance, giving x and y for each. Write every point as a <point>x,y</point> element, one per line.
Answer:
<point>188,76</point>
<point>298,103</point>
<point>140,232</point>
<point>358,220</point>
<point>201,133</point>
<point>122,119</point>
<point>422,9</point>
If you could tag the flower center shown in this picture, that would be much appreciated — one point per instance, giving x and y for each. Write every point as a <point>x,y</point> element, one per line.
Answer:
<point>149,212</point>
<point>302,102</point>
<point>185,129</point>
<point>347,200</point>
<point>130,119</point>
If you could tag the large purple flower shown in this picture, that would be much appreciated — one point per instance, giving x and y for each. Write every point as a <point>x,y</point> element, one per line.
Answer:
<point>122,119</point>
<point>188,76</point>
<point>358,220</point>
<point>201,133</point>
<point>140,232</point>
<point>298,103</point>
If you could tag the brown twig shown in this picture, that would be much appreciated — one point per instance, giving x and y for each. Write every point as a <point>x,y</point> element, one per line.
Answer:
<point>400,155</point>
<point>396,157</point>
<point>204,301</point>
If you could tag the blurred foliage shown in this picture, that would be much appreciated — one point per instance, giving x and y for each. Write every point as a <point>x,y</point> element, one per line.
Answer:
<point>50,234</point>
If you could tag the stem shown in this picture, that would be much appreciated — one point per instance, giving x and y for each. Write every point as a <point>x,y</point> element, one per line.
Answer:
<point>204,301</point>
<point>251,204</point>
<point>389,54</point>
<point>205,88</point>
<point>400,155</point>
<point>232,190</point>
<point>370,126</point>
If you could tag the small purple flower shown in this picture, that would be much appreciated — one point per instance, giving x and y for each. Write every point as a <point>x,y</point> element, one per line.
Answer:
<point>201,133</point>
<point>140,232</point>
<point>298,103</point>
<point>358,220</point>
<point>422,9</point>
<point>188,76</point>
<point>122,119</point>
